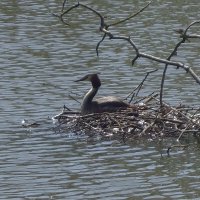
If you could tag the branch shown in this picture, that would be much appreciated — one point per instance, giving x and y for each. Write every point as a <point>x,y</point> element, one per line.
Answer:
<point>138,88</point>
<point>184,36</point>
<point>98,44</point>
<point>160,60</point>
<point>102,24</point>
<point>131,16</point>
<point>104,28</point>
<point>116,23</point>
<point>63,5</point>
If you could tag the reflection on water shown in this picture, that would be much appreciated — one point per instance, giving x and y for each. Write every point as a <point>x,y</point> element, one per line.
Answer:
<point>40,59</point>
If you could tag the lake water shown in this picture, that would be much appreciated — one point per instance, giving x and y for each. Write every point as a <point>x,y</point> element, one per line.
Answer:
<point>40,58</point>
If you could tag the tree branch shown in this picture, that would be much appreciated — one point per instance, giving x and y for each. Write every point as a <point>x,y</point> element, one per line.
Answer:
<point>104,28</point>
<point>185,37</point>
<point>131,16</point>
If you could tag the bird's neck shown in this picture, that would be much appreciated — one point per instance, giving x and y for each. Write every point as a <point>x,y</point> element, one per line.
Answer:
<point>90,95</point>
<point>87,104</point>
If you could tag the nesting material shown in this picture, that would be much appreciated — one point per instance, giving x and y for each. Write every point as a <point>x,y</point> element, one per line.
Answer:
<point>145,120</point>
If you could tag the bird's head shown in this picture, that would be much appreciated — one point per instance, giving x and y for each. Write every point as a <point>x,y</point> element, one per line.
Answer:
<point>93,78</point>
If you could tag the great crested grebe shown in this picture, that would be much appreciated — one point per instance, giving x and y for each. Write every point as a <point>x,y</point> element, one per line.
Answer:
<point>104,104</point>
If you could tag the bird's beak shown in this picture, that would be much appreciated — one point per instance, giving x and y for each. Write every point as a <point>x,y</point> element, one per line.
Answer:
<point>82,79</point>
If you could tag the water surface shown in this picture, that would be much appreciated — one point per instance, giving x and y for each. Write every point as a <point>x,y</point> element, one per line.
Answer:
<point>40,58</point>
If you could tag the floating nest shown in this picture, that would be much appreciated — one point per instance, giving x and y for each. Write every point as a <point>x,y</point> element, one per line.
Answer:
<point>145,120</point>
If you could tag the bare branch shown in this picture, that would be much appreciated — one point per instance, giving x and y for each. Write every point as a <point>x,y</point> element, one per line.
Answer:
<point>148,116</point>
<point>160,60</point>
<point>131,16</point>
<point>67,11</point>
<point>138,88</point>
<point>184,36</point>
<point>102,24</point>
<point>98,44</point>
<point>133,61</point>
<point>193,23</point>
<point>63,6</point>
<point>104,29</point>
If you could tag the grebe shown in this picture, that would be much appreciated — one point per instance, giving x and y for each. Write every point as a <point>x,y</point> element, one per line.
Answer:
<point>104,104</point>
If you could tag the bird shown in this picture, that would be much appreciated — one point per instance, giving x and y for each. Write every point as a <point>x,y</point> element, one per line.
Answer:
<point>104,104</point>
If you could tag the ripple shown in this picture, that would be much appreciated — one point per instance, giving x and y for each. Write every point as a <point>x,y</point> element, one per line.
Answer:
<point>41,58</point>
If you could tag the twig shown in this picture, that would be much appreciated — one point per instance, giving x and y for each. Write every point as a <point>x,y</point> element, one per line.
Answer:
<point>74,99</point>
<point>186,126</point>
<point>119,22</point>
<point>63,6</point>
<point>98,44</point>
<point>160,60</point>
<point>102,23</point>
<point>131,16</point>
<point>104,28</point>
<point>174,52</point>
<point>138,88</point>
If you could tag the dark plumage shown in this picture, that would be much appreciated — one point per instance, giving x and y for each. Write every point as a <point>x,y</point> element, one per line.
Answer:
<point>104,104</point>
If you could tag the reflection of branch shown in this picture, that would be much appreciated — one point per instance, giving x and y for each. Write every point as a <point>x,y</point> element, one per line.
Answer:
<point>178,146</point>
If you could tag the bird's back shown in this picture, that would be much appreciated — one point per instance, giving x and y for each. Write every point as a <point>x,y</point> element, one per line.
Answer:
<point>110,104</point>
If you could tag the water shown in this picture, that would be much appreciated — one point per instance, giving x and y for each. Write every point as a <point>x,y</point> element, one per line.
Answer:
<point>40,58</point>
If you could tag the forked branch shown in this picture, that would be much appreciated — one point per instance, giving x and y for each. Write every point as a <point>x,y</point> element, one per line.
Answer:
<point>104,29</point>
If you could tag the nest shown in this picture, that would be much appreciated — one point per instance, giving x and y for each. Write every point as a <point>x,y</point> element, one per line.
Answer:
<point>146,119</point>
